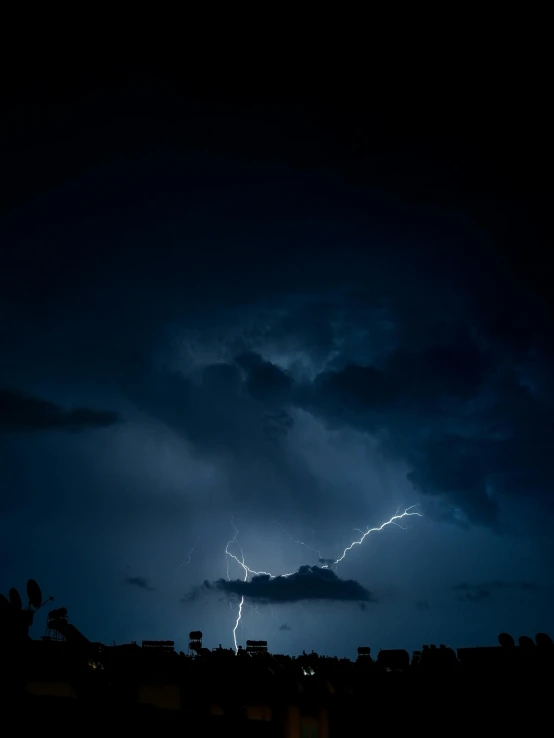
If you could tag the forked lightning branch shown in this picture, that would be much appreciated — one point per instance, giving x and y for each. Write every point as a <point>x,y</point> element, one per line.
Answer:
<point>248,571</point>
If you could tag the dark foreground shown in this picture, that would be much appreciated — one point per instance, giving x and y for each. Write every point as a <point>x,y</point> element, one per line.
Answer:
<point>70,688</point>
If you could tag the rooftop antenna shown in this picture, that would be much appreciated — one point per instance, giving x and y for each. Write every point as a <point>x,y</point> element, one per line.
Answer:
<point>34,595</point>
<point>20,618</point>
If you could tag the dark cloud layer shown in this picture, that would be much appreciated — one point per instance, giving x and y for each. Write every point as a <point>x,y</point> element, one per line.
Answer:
<point>469,424</point>
<point>20,412</point>
<point>432,348</point>
<point>308,583</point>
<point>141,583</point>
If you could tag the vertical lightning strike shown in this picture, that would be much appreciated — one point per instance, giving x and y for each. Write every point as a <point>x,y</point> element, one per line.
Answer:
<point>239,614</point>
<point>246,571</point>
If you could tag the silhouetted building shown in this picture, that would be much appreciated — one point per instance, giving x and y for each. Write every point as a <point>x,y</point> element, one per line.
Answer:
<point>70,683</point>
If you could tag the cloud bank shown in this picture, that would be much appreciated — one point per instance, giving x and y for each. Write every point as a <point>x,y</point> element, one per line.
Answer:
<point>21,412</point>
<point>452,409</point>
<point>308,583</point>
<point>141,583</point>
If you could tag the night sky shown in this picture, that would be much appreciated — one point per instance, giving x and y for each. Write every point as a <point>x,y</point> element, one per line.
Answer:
<point>277,314</point>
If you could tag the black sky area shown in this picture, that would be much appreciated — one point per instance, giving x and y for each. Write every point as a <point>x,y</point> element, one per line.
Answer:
<point>273,310</point>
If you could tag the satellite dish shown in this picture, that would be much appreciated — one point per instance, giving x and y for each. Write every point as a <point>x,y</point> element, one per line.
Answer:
<point>543,640</point>
<point>34,594</point>
<point>526,642</point>
<point>506,640</point>
<point>15,599</point>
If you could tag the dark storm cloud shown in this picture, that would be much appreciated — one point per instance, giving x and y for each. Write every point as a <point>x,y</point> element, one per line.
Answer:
<point>308,583</point>
<point>276,427</point>
<point>211,407</point>
<point>141,583</point>
<point>416,402</point>
<point>445,363</point>
<point>415,334</point>
<point>481,593</point>
<point>447,402</point>
<point>214,409</point>
<point>466,432</point>
<point>21,412</point>
<point>469,427</point>
<point>265,381</point>
<point>455,409</point>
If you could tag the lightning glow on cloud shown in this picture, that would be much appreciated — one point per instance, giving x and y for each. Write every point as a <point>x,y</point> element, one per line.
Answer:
<point>252,572</point>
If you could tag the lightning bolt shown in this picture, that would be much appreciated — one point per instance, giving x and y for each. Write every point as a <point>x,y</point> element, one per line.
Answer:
<point>392,521</point>
<point>252,572</point>
<point>247,571</point>
<point>187,562</point>
<point>239,616</point>
<point>240,562</point>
